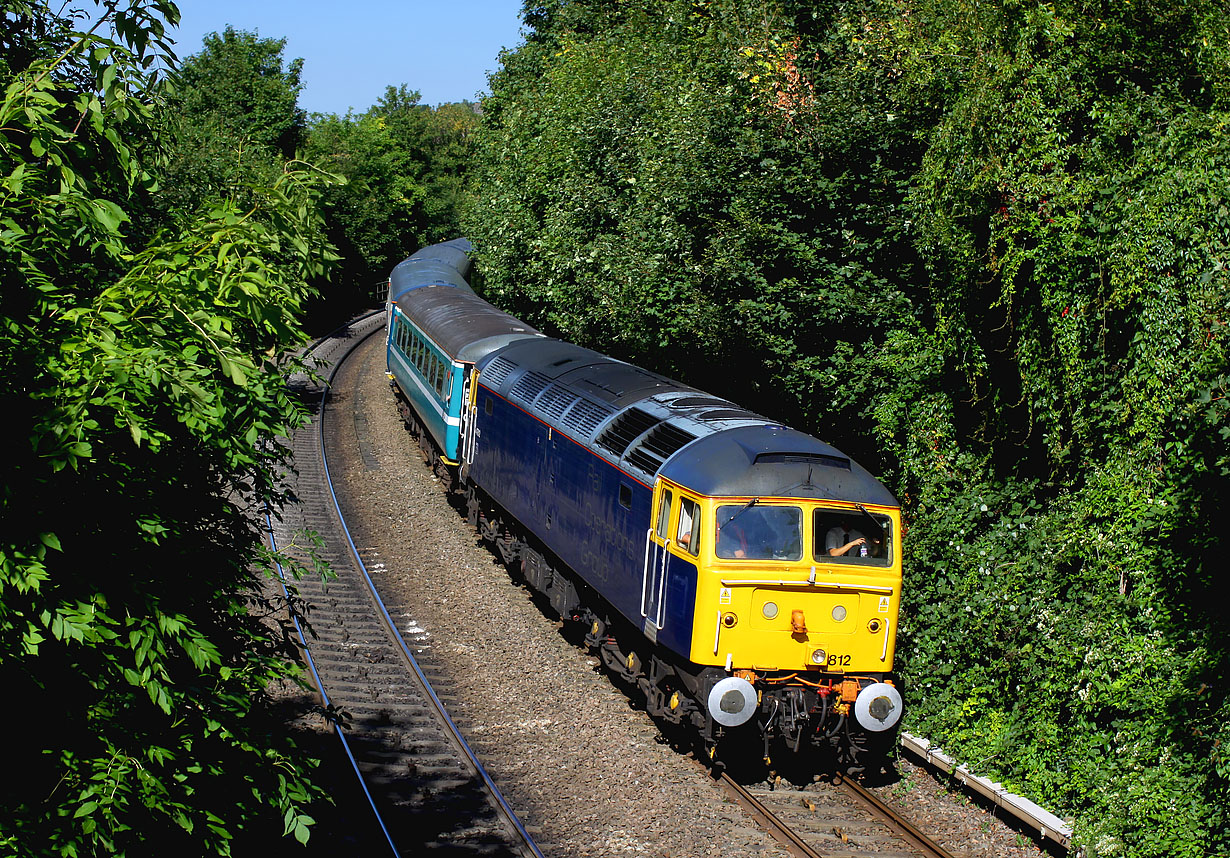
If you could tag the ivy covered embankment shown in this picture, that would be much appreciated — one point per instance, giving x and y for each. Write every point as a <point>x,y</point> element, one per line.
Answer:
<point>981,247</point>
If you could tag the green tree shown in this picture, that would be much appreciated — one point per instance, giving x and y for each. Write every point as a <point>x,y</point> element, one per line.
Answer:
<point>138,381</point>
<point>230,119</point>
<point>404,166</point>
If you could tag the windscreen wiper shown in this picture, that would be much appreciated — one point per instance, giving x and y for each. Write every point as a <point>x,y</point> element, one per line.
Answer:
<point>878,526</point>
<point>742,510</point>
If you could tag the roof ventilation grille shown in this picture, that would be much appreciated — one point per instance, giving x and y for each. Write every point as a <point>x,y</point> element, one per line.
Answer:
<point>529,386</point>
<point>803,458</point>
<point>555,401</point>
<point>497,371</point>
<point>697,401</point>
<point>730,414</point>
<point>625,429</point>
<point>658,446</point>
<point>585,417</point>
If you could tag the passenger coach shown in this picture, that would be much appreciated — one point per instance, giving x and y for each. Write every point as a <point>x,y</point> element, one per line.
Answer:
<point>437,329</point>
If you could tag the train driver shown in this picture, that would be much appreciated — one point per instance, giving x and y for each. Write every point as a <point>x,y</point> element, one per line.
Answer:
<point>842,539</point>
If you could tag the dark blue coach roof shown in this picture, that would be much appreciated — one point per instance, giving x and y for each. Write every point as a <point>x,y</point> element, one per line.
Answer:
<point>446,264</point>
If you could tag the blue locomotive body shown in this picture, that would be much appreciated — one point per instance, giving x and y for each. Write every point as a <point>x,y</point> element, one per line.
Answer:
<point>588,512</point>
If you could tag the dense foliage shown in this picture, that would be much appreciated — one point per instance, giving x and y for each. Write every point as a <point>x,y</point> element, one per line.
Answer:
<point>983,248</point>
<point>144,410</point>
<point>403,164</point>
<point>228,120</point>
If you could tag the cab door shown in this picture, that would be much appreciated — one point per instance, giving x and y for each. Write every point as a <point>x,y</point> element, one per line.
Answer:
<point>657,557</point>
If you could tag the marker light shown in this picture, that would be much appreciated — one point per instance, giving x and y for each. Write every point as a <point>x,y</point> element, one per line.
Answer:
<point>818,656</point>
<point>839,613</point>
<point>769,610</point>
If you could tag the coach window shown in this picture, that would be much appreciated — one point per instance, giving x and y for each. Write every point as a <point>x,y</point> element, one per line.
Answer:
<point>488,406</point>
<point>664,514</point>
<point>689,525</point>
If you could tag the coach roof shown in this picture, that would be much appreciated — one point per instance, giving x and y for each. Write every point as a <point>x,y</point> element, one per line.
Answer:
<point>445,264</point>
<point>462,324</point>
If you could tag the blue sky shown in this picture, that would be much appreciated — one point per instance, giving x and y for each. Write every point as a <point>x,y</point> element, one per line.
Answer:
<point>353,49</point>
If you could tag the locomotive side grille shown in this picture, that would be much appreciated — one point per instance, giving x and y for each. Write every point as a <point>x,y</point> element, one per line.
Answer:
<point>497,371</point>
<point>585,417</point>
<point>658,446</point>
<point>555,401</point>
<point>529,386</point>
<point>625,429</point>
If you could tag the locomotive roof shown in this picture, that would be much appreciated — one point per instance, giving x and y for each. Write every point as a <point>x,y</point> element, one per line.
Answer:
<point>647,424</point>
<point>764,460</point>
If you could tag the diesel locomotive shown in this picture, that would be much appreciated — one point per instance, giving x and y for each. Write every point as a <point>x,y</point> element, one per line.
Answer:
<point>744,575</point>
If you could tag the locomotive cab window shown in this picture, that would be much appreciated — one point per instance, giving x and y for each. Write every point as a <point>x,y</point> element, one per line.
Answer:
<point>688,537</point>
<point>752,532</point>
<point>852,536</point>
<point>664,515</point>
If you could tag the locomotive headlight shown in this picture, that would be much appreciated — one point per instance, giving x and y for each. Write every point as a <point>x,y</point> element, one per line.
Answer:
<point>839,613</point>
<point>819,656</point>
<point>769,610</point>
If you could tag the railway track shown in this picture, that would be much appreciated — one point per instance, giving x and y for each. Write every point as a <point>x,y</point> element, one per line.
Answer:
<point>840,818</point>
<point>426,788</point>
<point>409,752</point>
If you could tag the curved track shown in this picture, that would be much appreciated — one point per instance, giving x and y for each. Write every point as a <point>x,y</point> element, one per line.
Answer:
<point>813,823</point>
<point>425,786</point>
